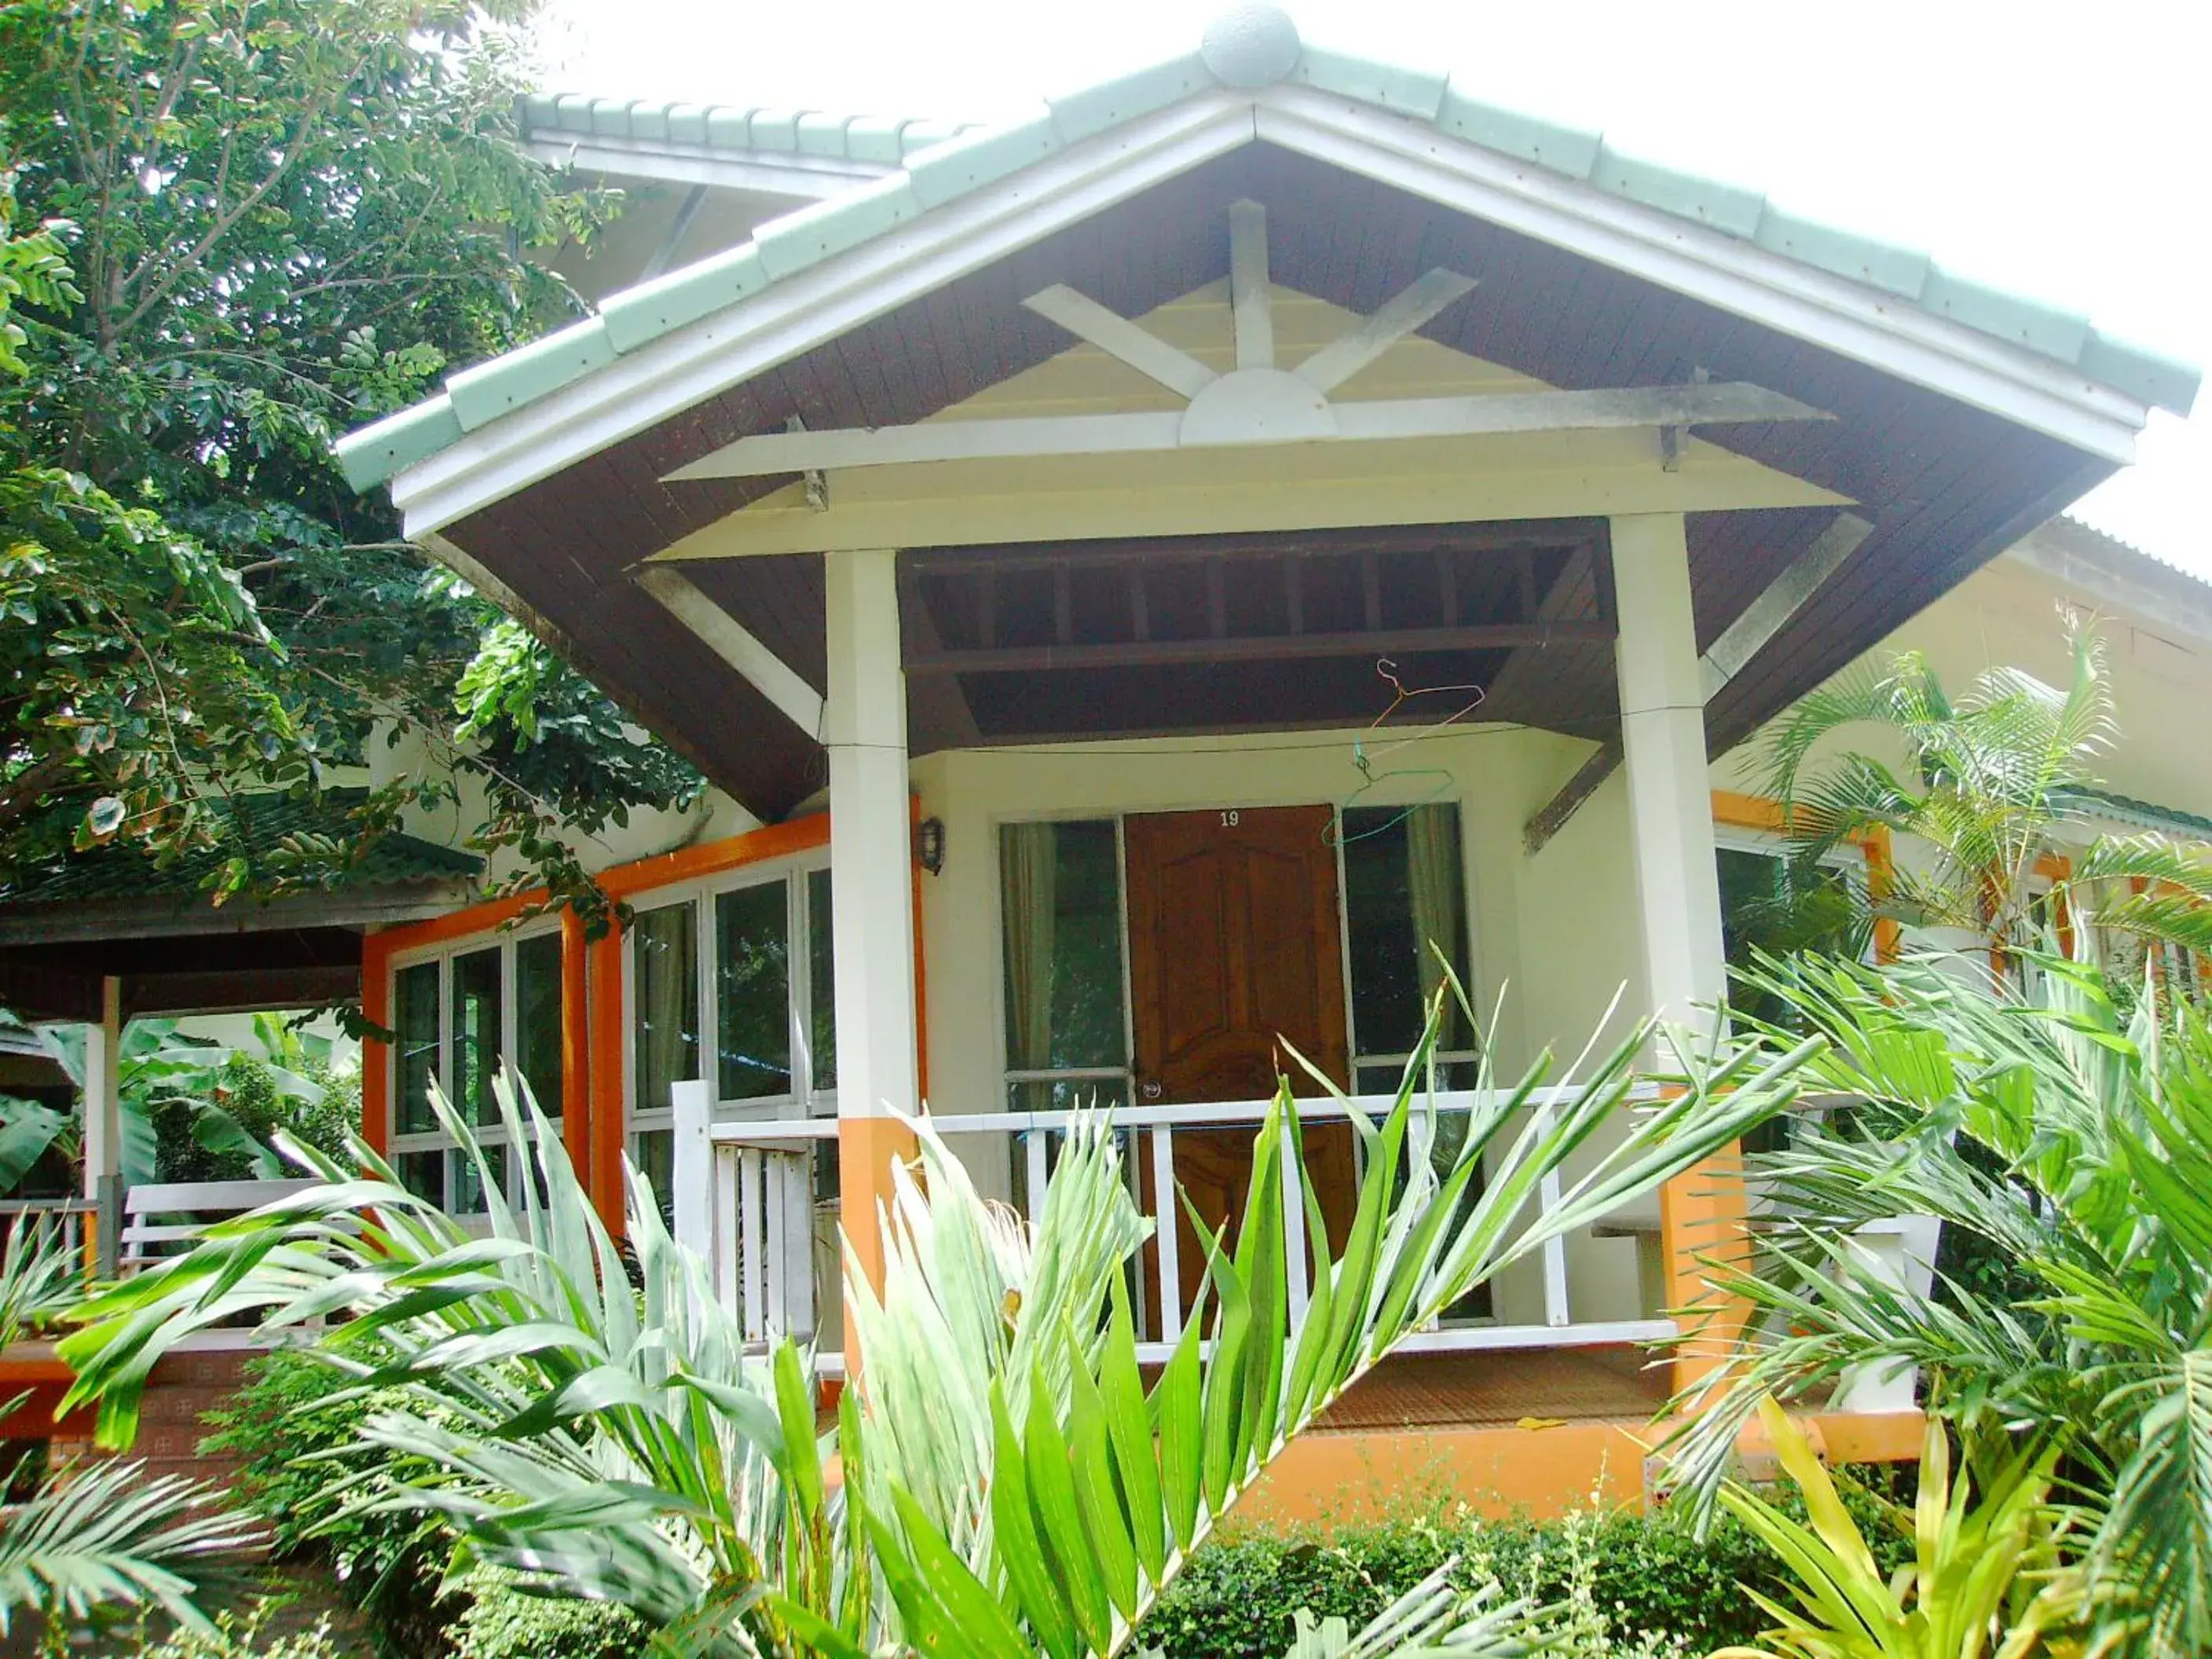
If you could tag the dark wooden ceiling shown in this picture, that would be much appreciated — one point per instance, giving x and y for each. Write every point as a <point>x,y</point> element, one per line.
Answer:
<point>1944,485</point>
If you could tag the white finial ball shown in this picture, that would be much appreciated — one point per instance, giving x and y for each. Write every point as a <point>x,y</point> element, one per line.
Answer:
<point>1250,44</point>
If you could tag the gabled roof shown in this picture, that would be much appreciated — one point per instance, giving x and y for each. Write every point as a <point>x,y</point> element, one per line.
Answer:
<point>1246,50</point>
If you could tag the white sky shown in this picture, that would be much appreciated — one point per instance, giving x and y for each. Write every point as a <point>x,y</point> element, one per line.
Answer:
<point>2056,149</point>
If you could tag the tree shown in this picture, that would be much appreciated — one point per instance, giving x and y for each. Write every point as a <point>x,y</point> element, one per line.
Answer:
<point>1992,784</point>
<point>2074,1141</point>
<point>264,222</point>
<point>1010,1484</point>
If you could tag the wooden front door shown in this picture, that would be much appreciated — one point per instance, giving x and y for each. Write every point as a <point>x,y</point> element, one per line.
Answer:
<point>1233,951</point>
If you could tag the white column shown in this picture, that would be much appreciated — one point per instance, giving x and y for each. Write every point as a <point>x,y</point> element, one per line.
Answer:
<point>1662,734</point>
<point>870,857</point>
<point>103,1122</point>
<point>103,1089</point>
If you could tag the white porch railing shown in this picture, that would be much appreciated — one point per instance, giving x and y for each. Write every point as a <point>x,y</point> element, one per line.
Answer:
<point>744,1200</point>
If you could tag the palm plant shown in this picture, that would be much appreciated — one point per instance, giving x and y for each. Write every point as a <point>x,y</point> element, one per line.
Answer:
<point>1003,1481</point>
<point>2076,1143</point>
<point>101,1534</point>
<point>1988,1578</point>
<point>1991,784</point>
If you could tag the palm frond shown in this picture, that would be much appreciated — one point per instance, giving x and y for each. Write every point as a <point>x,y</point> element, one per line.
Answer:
<point>104,1535</point>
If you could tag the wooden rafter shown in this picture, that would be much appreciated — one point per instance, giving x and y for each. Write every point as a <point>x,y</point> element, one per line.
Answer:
<point>1762,619</point>
<point>1213,647</point>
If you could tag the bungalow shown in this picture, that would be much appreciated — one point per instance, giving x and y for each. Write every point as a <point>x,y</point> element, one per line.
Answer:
<point>1146,572</point>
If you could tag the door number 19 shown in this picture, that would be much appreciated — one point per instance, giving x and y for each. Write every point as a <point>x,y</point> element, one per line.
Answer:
<point>1229,819</point>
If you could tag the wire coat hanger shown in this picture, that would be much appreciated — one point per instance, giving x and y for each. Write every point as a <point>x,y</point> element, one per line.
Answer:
<point>1436,781</point>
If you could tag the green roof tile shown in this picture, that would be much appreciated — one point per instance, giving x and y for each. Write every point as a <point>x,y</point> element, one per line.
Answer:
<point>1525,138</point>
<point>1725,207</point>
<point>774,129</point>
<point>1893,269</point>
<point>944,161</point>
<point>491,390</point>
<point>2150,375</point>
<point>2040,328</point>
<point>376,453</point>
<point>869,138</point>
<point>267,821</point>
<point>686,123</point>
<point>645,313</point>
<point>1408,92</point>
<point>943,172</point>
<point>1092,109</point>
<point>822,134</point>
<point>813,234</point>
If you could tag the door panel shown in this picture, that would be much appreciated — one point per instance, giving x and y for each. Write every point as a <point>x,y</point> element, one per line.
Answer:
<point>1234,951</point>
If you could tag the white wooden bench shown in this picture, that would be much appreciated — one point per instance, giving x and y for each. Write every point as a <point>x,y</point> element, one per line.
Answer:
<point>165,1218</point>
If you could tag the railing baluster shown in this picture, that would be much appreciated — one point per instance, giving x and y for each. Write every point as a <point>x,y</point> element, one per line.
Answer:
<point>1164,1233</point>
<point>752,1244</point>
<point>799,1242</point>
<point>691,1160</point>
<point>1555,1248</point>
<point>1035,1149</point>
<point>725,1225</point>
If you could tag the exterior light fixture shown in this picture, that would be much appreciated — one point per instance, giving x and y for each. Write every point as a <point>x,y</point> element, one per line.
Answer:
<point>929,844</point>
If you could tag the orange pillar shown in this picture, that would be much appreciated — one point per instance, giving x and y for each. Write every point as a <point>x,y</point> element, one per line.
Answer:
<point>375,1052</point>
<point>576,1046</point>
<point>1704,1223</point>
<point>607,1126</point>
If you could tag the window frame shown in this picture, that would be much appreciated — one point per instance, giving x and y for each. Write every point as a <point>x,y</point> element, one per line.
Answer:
<point>796,871</point>
<point>401,1143</point>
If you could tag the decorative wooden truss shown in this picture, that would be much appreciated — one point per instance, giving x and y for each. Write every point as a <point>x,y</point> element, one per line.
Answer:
<point>1255,403</point>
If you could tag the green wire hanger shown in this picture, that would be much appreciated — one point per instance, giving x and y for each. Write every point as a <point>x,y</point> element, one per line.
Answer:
<point>1439,781</point>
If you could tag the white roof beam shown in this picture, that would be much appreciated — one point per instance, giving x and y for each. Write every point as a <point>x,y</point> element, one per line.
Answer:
<point>1249,299</point>
<point>769,453</point>
<point>1782,599</point>
<point>736,645</point>
<point>1118,337</point>
<point>1368,339</point>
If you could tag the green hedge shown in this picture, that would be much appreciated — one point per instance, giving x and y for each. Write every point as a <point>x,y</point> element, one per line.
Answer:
<point>1636,1575</point>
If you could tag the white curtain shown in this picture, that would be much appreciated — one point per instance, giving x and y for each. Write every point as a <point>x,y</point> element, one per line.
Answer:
<point>1027,862</point>
<point>1432,883</point>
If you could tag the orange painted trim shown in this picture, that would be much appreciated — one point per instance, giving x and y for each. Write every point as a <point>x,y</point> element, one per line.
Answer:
<point>576,1046</point>
<point>459,924</point>
<point>376,1054</point>
<point>715,858</point>
<point>1737,810</point>
<point>607,1121</point>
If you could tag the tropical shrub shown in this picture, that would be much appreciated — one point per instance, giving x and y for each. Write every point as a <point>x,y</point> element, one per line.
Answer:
<point>306,1474</point>
<point>2076,1143</point>
<point>1010,1484</point>
<point>1619,1577</point>
<point>1989,1572</point>
<point>508,1618</point>
<point>246,1637</point>
<point>1992,783</point>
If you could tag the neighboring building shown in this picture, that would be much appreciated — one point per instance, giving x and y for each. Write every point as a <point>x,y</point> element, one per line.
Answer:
<point>1183,404</point>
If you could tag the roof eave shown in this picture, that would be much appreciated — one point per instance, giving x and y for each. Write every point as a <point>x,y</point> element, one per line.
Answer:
<point>588,387</point>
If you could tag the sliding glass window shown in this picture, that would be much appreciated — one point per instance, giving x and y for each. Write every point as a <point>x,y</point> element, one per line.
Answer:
<point>1068,1031</point>
<point>461,1016</point>
<point>747,964</point>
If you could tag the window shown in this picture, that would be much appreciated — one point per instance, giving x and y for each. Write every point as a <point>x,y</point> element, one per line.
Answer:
<point>750,961</point>
<point>1405,901</point>
<point>459,1017</point>
<point>1770,902</point>
<point>1068,1030</point>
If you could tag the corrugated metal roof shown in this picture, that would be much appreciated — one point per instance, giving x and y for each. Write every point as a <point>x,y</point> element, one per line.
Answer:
<point>885,140</point>
<point>270,820</point>
<point>942,171</point>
